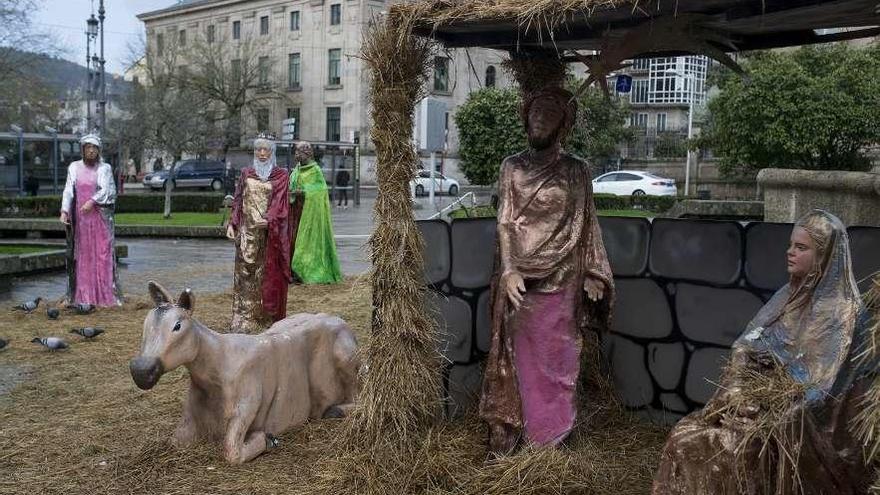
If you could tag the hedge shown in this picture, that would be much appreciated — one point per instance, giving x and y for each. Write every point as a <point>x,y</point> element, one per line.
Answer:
<point>656,204</point>
<point>47,206</point>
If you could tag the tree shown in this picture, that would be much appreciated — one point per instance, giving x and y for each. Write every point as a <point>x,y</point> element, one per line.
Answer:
<point>166,113</point>
<point>600,125</point>
<point>814,108</point>
<point>230,89</point>
<point>19,41</point>
<point>490,129</point>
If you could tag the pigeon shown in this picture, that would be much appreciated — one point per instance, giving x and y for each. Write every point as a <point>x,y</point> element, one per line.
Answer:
<point>81,308</point>
<point>30,305</point>
<point>52,313</point>
<point>87,332</point>
<point>3,343</point>
<point>51,343</point>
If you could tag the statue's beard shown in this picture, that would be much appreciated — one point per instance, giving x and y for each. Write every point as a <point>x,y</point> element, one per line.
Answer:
<point>543,141</point>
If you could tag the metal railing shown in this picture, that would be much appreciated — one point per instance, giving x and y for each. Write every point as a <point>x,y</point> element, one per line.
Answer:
<point>455,203</point>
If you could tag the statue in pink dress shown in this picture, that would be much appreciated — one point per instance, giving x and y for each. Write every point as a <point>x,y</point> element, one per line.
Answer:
<point>87,207</point>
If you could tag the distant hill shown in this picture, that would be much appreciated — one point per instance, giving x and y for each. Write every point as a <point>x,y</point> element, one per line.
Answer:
<point>64,76</point>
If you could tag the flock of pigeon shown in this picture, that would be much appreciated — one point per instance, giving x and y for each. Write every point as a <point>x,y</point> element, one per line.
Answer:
<point>57,343</point>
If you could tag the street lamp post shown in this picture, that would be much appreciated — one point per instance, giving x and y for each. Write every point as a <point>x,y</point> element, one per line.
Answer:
<point>91,35</point>
<point>103,101</point>
<point>691,85</point>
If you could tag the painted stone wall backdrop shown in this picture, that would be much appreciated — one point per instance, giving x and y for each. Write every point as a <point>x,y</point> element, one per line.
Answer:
<point>686,289</point>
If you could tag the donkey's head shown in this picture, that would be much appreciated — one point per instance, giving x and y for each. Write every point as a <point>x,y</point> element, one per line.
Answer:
<point>169,338</point>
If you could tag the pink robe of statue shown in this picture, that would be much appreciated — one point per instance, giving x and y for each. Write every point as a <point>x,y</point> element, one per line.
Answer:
<point>93,252</point>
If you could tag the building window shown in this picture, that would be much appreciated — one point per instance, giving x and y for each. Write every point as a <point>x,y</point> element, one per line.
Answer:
<point>294,71</point>
<point>264,25</point>
<point>661,122</point>
<point>490,76</point>
<point>639,91</point>
<point>210,34</point>
<point>236,72</point>
<point>441,74</point>
<point>181,37</point>
<point>262,119</point>
<point>263,71</point>
<point>638,120</point>
<point>160,44</point>
<point>335,14</point>
<point>236,30</point>
<point>294,20</point>
<point>335,61</point>
<point>641,64</point>
<point>672,77</point>
<point>334,117</point>
<point>293,113</point>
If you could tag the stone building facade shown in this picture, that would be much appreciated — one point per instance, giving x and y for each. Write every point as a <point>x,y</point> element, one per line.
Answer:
<point>310,49</point>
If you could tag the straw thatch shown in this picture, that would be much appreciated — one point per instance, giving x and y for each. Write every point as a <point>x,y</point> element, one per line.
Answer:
<point>539,15</point>
<point>867,422</point>
<point>773,398</point>
<point>535,69</point>
<point>401,390</point>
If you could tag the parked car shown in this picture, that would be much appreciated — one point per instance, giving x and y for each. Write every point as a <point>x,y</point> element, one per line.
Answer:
<point>633,183</point>
<point>442,184</point>
<point>190,173</point>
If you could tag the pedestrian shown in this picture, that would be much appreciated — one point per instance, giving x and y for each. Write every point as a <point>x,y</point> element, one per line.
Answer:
<point>31,184</point>
<point>342,179</point>
<point>131,176</point>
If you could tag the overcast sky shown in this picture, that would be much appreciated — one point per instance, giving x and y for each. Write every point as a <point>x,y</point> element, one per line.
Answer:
<point>66,21</point>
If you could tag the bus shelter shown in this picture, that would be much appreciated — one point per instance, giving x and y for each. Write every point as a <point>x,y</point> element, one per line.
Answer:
<point>41,156</point>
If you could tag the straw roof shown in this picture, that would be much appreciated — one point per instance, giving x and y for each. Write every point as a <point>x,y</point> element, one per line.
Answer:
<point>587,24</point>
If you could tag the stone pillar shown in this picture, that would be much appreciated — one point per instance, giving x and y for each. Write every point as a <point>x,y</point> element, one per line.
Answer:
<point>853,196</point>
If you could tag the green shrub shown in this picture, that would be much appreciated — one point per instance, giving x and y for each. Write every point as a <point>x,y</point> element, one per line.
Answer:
<point>48,206</point>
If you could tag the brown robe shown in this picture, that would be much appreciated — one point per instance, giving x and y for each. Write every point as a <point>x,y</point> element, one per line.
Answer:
<point>547,232</point>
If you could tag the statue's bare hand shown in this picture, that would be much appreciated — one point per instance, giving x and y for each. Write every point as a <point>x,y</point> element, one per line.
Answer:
<point>594,288</point>
<point>514,287</point>
<point>230,232</point>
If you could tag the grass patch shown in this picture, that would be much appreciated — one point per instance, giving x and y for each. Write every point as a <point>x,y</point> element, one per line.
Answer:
<point>19,249</point>
<point>189,219</point>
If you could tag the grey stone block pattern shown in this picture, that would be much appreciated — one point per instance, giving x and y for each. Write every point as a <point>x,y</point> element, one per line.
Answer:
<point>453,316</point>
<point>864,243</point>
<point>464,388</point>
<point>704,373</point>
<point>714,316</point>
<point>437,253</point>
<point>626,242</point>
<point>473,248</point>
<point>666,363</point>
<point>766,244</point>
<point>630,377</point>
<point>642,309</point>
<point>696,250</point>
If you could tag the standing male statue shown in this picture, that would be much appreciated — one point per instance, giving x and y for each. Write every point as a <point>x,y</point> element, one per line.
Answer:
<point>552,279</point>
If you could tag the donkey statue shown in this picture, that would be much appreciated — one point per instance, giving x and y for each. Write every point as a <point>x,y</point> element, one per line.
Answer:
<point>244,389</point>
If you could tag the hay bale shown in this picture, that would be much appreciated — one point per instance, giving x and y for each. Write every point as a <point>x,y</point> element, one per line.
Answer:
<point>866,424</point>
<point>535,69</point>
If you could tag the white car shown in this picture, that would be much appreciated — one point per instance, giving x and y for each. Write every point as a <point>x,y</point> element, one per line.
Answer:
<point>442,184</point>
<point>633,183</point>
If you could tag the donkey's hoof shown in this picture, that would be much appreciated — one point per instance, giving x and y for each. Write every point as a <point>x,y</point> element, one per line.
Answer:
<point>272,441</point>
<point>333,412</point>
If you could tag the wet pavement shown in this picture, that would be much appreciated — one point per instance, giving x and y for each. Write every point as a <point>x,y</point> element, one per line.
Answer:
<point>206,265</point>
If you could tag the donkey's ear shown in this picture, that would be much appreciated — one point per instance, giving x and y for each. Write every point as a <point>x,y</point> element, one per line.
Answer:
<point>158,293</point>
<point>187,300</point>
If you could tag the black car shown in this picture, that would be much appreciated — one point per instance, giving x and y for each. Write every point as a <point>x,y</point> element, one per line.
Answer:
<point>190,173</point>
